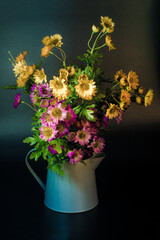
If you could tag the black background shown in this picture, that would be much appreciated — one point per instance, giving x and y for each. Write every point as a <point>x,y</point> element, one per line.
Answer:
<point>128,178</point>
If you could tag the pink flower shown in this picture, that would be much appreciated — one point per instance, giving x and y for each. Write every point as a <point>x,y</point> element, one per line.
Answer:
<point>43,90</point>
<point>71,116</point>
<point>105,121</point>
<point>48,132</point>
<point>17,100</point>
<point>83,137</point>
<point>75,156</point>
<point>57,113</point>
<point>71,136</point>
<point>52,150</point>
<point>44,103</point>
<point>45,118</point>
<point>62,129</point>
<point>97,144</point>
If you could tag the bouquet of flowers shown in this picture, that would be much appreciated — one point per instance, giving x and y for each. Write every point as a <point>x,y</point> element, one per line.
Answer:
<point>70,112</point>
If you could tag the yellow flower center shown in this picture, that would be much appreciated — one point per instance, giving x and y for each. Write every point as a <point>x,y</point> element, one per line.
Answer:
<point>60,128</point>
<point>48,117</point>
<point>84,86</point>
<point>58,85</point>
<point>47,132</point>
<point>96,144</point>
<point>56,112</point>
<point>82,135</point>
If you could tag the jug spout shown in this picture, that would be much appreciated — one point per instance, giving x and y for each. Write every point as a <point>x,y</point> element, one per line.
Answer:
<point>96,159</point>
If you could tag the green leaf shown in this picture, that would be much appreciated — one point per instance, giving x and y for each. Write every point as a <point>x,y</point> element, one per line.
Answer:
<point>35,155</point>
<point>13,87</point>
<point>89,116</point>
<point>31,140</point>
<point>57,145</point>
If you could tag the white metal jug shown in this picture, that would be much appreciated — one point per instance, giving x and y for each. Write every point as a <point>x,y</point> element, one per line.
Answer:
<point>76,190</point>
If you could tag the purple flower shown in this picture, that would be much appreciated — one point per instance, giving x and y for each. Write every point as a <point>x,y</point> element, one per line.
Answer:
<point>105,121</point>
<point>17,100</point>
<point>119,118</point>
<point>52,150</point>
<point>44,90</point>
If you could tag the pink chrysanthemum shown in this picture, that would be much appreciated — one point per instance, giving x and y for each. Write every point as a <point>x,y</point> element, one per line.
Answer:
<point>17,100</point>
<point>71,116</point>
<point>44,103</point>
<point>97,144</point>
<point>43,90</point>
<point>52,150</point>
<point>62,129</point>
<point>53,101</point>
<point>92,129</point>
<point>34,97</point>
<point>85,123</point>
<point>48,132</point>
<point>71,136</point>
<point>75,156</point>
<point>57,113</point>
<point>45,118</point>
<point>83,137</point>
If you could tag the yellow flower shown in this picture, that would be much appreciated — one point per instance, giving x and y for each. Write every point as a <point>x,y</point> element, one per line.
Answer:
<point>119,75</point>
<point>148,98</point>
<point>56,40</point>
<point>63,74</point>
<point>95,29</point>
<point>109,43</point>
<point>21,56</point>
<point>30,69</point>
<point>40,76</point>
<point>125,98</point>
<point>46,40</point>
<point>83,77</point>
<point>113,111</point>
<point>22,79</point>
<point>107,24</point>
<point>19,67</point>
<point>132,80</point>
<point>71,70</point>
<point>86,89</point>
<point>59,88</point>
<point>45,51</point>
<point>139,100</point>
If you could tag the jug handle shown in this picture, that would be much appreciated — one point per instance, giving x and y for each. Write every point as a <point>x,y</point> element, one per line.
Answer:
<point>33,172</point>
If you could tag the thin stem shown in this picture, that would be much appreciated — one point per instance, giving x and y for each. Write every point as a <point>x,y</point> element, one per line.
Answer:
<point>56,56</point>
<point>114,86</point>
<point>29,105</point>
<point>94,45</point>
<point>63,55</point>
<point>100,46</point>
<point>114,98</point>
<point>11,57</point>
<point>90,40</point>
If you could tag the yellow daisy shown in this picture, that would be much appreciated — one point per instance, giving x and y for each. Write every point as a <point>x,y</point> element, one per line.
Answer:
<point>113,111</point>
<point>56,40</point>
<point>19,67</point>
<point>22,79</point>
<point>46,40</point>
<point>132,80</point>
<point>45,51</point>
<point>148,98</point>
<point>125,97</point>
<point>40,76</point>
<point>119,75</point>
<point>21,56</point>
<point>109,43</point>
<point>86,89</point>
<point>63,74</point>
<point>59,88</point>
<point>107,24</point>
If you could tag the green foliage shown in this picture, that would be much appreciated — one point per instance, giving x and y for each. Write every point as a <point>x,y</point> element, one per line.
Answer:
<point>83,112</point>
<point>11,87</point>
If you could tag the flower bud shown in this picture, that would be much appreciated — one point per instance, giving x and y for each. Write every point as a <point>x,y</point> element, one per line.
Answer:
<point>141,90</point>
<point>138,99</point>
<point>95,29</point>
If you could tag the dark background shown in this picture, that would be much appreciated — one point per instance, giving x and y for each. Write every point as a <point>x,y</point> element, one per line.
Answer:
<point>128,178</point>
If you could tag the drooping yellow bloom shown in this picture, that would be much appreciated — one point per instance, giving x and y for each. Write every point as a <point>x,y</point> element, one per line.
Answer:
<point>19,67</point>
<point>45,51</point>
<point>95,29</point>
<point>125,98</point>
<point>46,40</point>
<point>30,69</point>
<point>21,56</point>
<point>133,81</point>
<point>40,76</point>
<point>86,89</point>
<point>113,111</point>
<point>107,24</point>
<point>56,40</point>
<point>109,42</point>
<point>59,88</point>
<point>148,98</point>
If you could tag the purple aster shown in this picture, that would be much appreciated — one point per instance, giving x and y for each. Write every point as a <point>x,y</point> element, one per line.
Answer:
<point>52,150</point>
<point>44,90</point>
<point>17,100</point>
<point>44,103</point>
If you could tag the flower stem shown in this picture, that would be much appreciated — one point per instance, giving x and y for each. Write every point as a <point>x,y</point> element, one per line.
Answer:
<point>94,45</point>
<point>56,56</point>
<point>100,46</point>
<point>114,86</point>
<point>90,39</point>
<point>29,106</point>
